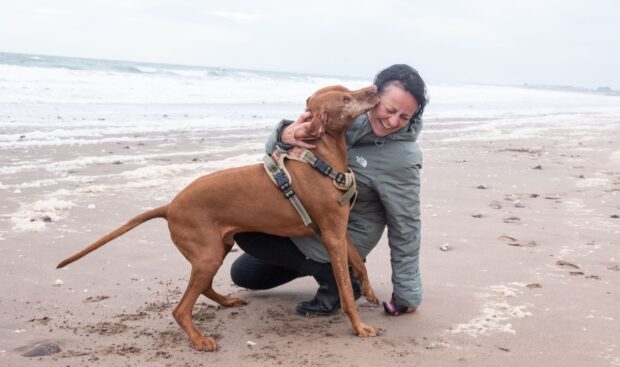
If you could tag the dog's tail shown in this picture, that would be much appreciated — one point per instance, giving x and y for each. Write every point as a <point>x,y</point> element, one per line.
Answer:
<point>131,224</point>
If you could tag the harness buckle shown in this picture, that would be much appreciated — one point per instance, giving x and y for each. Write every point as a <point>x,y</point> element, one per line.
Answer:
<point>284,184</point>
<point>340,178</point>
<point>282,181</point>
<point>322,167</point>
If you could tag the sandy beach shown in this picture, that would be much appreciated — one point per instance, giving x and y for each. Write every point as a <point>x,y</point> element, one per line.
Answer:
<point>520,212</point>
<point>530,275</point>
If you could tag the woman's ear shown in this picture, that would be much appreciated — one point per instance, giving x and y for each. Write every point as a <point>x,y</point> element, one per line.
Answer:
<point>318,119</point>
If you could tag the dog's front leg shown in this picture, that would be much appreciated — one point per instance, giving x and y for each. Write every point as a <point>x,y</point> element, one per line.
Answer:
<point>337,249</point>
<point>360,272</point>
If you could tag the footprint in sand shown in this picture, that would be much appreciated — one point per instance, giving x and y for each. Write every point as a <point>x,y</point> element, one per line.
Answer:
<point>556,198</point>
<point>576,272</point>
<point>566,263</point>
<point>512,219</point>
<point>511,241</point>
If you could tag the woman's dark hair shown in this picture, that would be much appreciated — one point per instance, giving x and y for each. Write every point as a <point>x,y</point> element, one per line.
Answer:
<point>409,79</point>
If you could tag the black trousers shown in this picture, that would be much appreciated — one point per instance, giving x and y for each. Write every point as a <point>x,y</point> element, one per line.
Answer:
<point>269,261</point>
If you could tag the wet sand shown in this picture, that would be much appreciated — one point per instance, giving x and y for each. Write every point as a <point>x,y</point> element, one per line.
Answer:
<point>530,275</point>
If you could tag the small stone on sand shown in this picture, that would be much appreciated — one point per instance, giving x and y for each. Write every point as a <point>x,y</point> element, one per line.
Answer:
<point>445,247</point>
<point>537,167</point>
<point>495,205</point>
<point>42,218</point>
<point>43,349</point>
<point>435,345</point>
<point>483,187</point>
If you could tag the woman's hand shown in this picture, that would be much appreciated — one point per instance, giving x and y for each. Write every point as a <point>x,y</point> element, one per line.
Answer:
<point>297,133</point>
<point>393,308</point>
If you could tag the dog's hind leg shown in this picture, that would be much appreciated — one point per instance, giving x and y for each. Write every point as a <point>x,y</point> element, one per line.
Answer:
<point>203,271</point>
<point>220,299</point>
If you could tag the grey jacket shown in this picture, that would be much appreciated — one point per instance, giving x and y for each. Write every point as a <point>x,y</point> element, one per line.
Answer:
<point>388,183</point>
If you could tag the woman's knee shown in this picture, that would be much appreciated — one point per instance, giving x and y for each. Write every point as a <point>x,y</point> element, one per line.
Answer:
<point>252,273</point>
<point>240,274</point>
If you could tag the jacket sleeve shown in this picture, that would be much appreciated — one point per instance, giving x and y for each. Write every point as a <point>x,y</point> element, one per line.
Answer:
<point>399,191</point>
<point>274,138</point>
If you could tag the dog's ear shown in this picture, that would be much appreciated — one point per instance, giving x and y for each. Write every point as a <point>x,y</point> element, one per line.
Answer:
<point>318,119</point>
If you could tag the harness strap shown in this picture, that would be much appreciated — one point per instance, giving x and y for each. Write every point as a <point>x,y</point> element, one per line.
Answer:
<point>350,195</point>
<point>282,182</point>
<point>343,181</point>
<point>276,169</point>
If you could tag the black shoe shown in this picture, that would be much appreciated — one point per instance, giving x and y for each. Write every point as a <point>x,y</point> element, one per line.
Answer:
<point>326,301</point>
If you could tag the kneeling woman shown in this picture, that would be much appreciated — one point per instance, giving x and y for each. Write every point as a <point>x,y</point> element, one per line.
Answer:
<point>383,153</point>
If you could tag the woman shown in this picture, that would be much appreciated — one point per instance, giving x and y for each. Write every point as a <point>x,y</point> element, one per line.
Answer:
<point>383,153</point>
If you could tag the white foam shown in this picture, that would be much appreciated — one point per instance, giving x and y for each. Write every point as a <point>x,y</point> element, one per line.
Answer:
<point>41,85</point>
<point>93,189</point>
<point>494,318</point>
<point>76,163</point>
<point>496,313</point>
<point>154,172</point>
<point>148,184</point>
<point>592,182</point>
<point>32,217</point>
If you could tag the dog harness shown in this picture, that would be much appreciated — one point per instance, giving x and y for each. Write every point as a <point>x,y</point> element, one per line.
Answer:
<point>274,165</point>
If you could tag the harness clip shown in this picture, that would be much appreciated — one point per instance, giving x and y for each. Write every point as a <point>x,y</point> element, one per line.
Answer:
<point>322,167</point>
<point>340,178</point>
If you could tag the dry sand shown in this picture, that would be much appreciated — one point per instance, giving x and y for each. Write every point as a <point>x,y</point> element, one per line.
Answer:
<point>531,275</point>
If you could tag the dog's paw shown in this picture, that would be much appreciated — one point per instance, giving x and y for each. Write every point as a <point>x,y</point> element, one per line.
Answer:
<point>364,330</point>
<point>204,343</point>
<point>233,302</point>
<point>370,296</point>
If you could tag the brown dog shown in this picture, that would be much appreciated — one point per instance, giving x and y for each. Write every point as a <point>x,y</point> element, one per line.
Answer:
<point>204,216</point>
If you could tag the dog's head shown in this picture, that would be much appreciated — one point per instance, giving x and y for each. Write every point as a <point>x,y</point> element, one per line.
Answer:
<point>334,108</point>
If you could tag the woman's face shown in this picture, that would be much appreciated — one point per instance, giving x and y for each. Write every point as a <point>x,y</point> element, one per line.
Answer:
<point>395,108</point>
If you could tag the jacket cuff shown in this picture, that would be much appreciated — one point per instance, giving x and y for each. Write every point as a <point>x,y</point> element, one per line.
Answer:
<point>274,139</point>
<point>283,124</point>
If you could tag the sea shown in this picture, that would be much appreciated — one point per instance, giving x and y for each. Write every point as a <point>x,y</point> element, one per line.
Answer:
<point>132,93</point>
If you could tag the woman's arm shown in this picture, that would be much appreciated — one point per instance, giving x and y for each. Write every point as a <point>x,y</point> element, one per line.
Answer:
<point>291,133</point>
<point>399,191</point>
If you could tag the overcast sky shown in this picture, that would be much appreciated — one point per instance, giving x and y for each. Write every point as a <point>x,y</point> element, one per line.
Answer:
<point>503,42</point>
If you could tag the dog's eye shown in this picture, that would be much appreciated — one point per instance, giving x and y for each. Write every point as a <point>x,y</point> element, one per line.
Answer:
<point>346,99</point>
